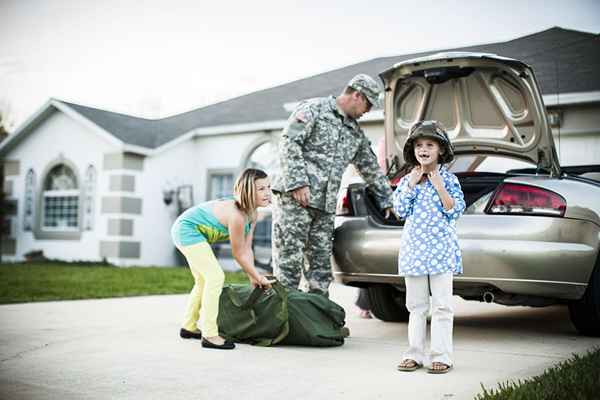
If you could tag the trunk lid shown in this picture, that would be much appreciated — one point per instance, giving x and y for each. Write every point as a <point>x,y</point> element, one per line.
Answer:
<point>490,105</point>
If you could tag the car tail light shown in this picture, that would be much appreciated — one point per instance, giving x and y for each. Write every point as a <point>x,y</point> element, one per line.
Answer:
<point>516,199</point>
<point>343,206</point>
<point>395,181</point>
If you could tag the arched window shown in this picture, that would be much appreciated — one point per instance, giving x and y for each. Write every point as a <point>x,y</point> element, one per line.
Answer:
<point>89,196</point>
<point>264,156</point>
<point>29,214</point>
<point>60,201</point>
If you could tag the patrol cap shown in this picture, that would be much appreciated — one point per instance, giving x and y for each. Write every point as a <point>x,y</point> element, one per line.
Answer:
<point>428,129</point>
<point>368,87</point>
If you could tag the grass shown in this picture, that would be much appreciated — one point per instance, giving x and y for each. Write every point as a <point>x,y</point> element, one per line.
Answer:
<point>578,378</point>
<point>25,282</point>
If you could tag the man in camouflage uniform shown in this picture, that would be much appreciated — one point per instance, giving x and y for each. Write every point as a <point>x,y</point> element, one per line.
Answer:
<point>319,141</point>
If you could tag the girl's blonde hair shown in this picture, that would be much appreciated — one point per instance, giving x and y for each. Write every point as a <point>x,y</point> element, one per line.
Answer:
<point>244,190</point>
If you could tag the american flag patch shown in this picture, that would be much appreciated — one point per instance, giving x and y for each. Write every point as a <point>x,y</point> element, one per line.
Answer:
<point>301,117</point>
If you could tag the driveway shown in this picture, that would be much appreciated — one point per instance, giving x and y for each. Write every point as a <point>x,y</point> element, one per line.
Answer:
<point>129,349</point>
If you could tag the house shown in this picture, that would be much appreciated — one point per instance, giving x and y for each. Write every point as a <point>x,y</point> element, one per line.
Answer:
<point>85,184</point>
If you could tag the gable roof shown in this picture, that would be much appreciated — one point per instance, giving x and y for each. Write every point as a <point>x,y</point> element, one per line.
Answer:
<point>565,61</point>
<point>50,107</point>
<point>128,129</point>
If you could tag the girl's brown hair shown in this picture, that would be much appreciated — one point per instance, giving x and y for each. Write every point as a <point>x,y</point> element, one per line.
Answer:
<point>244,190</point>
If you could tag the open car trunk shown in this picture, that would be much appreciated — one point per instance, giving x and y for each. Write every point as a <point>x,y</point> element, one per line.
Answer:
<point>489,105</point>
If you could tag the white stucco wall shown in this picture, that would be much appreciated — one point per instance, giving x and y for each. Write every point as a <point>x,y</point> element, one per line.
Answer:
<point>59,135</point>
<point>374,131</point>
<point>578,140</point>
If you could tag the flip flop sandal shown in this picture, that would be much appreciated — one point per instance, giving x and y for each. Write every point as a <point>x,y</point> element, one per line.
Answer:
<point>438,371</point>
<point>410,365</point>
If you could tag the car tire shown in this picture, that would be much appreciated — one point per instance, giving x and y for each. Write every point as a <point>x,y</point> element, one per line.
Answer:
<point>585,312</point>
<point>388,303</point>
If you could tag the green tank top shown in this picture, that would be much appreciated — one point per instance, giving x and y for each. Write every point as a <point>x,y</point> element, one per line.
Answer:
<point>199,224</point>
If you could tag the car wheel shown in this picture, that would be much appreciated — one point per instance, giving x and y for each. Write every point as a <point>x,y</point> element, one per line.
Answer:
<point>585,312</point>
<point>387,303</point>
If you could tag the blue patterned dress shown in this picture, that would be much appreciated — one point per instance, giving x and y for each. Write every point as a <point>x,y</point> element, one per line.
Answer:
<point>429,242</point>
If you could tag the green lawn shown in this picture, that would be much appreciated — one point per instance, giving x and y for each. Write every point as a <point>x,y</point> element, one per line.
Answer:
<point>578,378</point>
<point>21,283</point>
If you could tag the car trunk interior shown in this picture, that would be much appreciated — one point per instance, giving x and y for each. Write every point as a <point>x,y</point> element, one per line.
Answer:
<point>475,185</point>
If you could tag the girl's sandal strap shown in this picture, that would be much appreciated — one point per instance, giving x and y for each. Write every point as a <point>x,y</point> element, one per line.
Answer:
<point>409,365</point>
<point>444,368</point>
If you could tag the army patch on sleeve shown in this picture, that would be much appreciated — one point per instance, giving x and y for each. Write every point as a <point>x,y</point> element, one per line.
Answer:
<point>301,117</point>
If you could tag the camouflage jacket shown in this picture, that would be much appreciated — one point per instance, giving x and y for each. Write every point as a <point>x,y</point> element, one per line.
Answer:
<point>317,145</point>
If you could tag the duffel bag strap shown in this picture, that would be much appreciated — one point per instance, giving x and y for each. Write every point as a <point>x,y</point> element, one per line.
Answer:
<point>257,292</point>
<point>253,298</point>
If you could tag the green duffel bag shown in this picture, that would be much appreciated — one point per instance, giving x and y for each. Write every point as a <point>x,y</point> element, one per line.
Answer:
<point>279,316</point>
<point>314,320</point>
<point>251,315</point>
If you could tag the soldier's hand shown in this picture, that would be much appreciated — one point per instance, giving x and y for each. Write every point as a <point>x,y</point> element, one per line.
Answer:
<point>389,212</point>
<point>302,195</point>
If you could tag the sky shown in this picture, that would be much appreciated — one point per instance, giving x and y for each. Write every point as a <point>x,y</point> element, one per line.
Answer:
<point>155,58</point>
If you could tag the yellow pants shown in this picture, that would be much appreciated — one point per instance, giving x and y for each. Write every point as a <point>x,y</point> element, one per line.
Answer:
<point>204,297</point>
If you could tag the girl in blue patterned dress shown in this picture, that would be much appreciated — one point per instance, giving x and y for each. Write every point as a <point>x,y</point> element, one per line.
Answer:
<point>431,200</point>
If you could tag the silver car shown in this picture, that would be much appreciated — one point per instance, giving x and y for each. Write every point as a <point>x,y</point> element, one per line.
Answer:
<point>531,231</point>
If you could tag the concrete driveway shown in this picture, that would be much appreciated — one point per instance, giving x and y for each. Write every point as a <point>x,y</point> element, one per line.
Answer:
<point>129,349</point>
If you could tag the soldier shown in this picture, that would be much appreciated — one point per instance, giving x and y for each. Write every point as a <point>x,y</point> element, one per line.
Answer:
<point>321,138</point>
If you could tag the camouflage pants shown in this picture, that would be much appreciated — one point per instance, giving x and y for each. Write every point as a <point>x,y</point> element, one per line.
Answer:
<point>301,235</point>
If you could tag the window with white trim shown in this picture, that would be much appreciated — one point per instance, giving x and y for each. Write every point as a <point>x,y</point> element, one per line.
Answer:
<point>265,156</point>
<point>221,185</point>
<point>60,200</point>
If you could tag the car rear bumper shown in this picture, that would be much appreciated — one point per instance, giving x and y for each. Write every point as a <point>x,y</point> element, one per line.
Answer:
<point>532,256</point>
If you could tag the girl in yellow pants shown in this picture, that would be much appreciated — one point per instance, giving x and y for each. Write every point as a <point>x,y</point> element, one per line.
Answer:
<point>231,219</point>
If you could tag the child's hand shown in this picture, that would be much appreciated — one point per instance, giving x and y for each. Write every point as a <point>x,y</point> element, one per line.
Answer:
<point>436,179</point>
<point>415,176</point>
<point>263,282</point>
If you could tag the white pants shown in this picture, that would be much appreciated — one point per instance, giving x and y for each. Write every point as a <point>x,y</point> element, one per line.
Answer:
<point>442,316</point>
